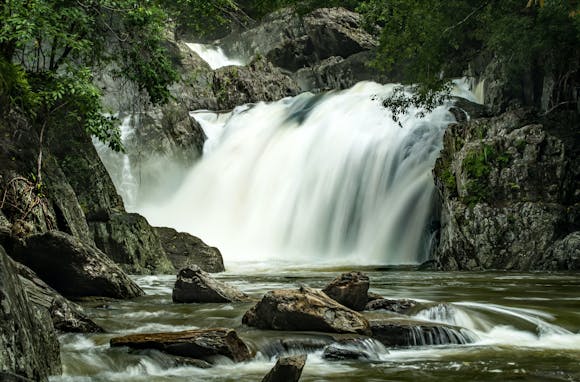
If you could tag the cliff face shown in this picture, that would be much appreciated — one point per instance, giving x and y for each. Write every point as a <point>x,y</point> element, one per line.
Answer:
<point>510,195</point>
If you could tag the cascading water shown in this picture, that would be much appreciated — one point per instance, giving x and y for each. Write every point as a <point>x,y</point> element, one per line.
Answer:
<point>324,177</point>
<point>214,56</point>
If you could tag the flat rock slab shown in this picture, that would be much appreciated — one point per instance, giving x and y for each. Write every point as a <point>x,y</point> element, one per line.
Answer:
<point>304,309</point>
<point>349,289</point>
<point>287,369</point>
<point>199,344</point>
<point>418,333</point>
<point>195,285</point>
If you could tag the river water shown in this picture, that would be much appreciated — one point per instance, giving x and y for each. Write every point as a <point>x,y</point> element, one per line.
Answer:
<point>527,325</point>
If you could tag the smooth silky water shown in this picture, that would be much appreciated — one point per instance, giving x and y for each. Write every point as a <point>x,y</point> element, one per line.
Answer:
<point>297,191</point>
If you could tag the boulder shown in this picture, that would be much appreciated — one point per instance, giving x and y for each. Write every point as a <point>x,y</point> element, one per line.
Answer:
<point>418,333</point>
<point>304,309</point>
<point>287,369</point>
<point>349,289</point>
<point>354,349</point>
<point>195,285</point>
<point>132,243</point>
<point>397,306</point>
<point>66,315</point>
<point>202,344</point>
<point>74,268</point>
<point>183,250</point>
<point>29,348</point>
<point>297,344</point>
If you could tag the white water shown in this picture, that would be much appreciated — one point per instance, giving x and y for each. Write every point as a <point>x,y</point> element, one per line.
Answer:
<point>328,178</point>
<point>214,56</point>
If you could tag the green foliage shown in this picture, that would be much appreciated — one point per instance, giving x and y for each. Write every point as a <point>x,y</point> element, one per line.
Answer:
<point>478,165</point>
<point>202,17</point>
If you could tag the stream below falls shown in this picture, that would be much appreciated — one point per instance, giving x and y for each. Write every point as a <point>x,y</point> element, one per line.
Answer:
<point>527,327</point>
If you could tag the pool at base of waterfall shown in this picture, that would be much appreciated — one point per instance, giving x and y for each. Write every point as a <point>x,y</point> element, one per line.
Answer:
<point>526,327</point>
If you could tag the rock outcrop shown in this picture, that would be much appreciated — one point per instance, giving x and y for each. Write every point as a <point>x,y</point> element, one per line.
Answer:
<point>304,309</point>
<point>183,250</point>
<point>29,348</point>
<point>203,344</point>
<point>510,195</point>
<point>131,242</point>
<point>287,369</point>
<point>195,285</point>
<point>349,289</point>
<point>74,268</point>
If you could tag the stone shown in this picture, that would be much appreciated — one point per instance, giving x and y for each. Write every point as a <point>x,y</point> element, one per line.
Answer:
<point>563,255</point>
<point>29,348</point>
<point>397,306</point>
<point>418,333</point>
<point>287,369</point>
<point>304,309</point>
<point>195,285</point>
<point>184,249</point>
<point>129,240</point>
<point>66,315</point>
<point>349,289</point>
<point>202,344</point>
<point>354,349</point>
<point>297,344</point>
<point>74,268</point>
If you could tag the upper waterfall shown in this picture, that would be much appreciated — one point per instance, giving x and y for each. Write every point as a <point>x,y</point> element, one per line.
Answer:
<point>214,56</point>
<point>327,177</point>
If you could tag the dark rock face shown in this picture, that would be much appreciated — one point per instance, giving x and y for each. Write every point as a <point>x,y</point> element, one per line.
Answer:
<point>396,306</point>
<point>287,369</point>
<point>66,315</point>
<point>349,289</point>
<point>200,344</point>
<point>74,268</point>
<point>510,193</point>
<point>418,333</point>
<point>131,242</point>
<point>28,345</point>
<point>183,250</point>
<point>304,309</point>
<point>195,285</point>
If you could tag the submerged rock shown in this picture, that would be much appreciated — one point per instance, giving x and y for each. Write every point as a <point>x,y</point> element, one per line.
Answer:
<point>349,289</point>
<point>183,250</point>
<point>66,315</point>
<point>418,333</point>
<point>199,344</point>
<point>195,285</point>
<point>304,309</point>
<point>74,268</point>
<point>397,306</point>
<point>287,369</point>
<point>29,348</point>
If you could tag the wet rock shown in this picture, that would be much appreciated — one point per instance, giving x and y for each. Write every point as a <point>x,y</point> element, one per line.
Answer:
<point>464,110</point>
<point>66,315</point>
<point>397,306</point>
<point>563,255</point>
<point>349,289</point>
<point>74,268</point>
<point>183,250</point>
<point>509,190</point>
<point>295,345</point>
<point>195,285</point>
<point>418,333</point>
<point>202,344</point>
<point>132,243</point>
<point>354,349</point>
<point>304,309</point>
<point>29,348</point>
<point>287,369</point>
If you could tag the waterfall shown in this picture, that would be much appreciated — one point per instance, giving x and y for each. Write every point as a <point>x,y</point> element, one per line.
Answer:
<point>327,177</point>
<point>214,56</point>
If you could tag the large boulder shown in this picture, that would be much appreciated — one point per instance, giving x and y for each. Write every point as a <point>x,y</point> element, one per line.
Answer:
<point>510,193</point>
<point>349,289</point>
<point>29,348</point>
<point>183,250</point>
<point>195,285</point>
<point>202,344</point>
<point>304,309</point>
<point>287,369</point>
<point>131,242</point>
<point>74,268</point>
<point>66,315</point>
<point>418,333</point>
